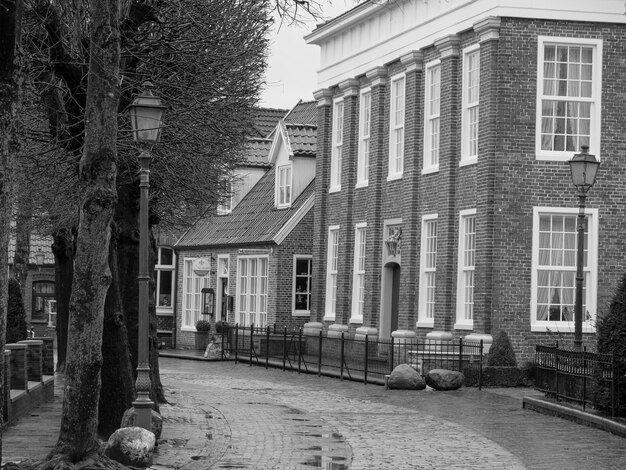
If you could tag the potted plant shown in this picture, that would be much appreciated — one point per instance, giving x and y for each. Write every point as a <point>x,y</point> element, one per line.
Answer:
<point>203,328</point>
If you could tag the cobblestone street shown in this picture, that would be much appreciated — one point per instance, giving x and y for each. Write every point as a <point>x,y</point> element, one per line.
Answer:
<point>225,415</point>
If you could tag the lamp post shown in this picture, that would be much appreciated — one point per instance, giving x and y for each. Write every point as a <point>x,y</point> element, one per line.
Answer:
<point>146,114</point>
<point>583,168</point>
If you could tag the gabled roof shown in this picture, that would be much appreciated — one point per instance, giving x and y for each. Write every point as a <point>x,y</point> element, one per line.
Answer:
<point>265,120</point>
<point>256,152</point>
<point>305,112</point>
<point>300,140</point>
<point>254,220</point>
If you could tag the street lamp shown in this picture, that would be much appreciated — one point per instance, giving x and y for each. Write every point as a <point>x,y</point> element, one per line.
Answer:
<point>584,168</point>
<point>146,114</point>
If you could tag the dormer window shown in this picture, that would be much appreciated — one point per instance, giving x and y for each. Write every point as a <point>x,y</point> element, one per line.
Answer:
<point>283,186</point>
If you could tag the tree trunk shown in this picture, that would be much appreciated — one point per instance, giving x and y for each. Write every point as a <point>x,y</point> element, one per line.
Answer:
<point>10,91</point>
<point>92,277</point>
<point>22,240</point>
<point>63,249</point>
<point>118,388</point>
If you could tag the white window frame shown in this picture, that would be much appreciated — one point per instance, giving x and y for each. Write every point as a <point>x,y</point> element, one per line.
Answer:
<point>294,312</point>
<point>463,323</point>
<point>192,298</point>
<point>396,127</point>
<point>358,273</point>
<point>252,288</point>
<point>226,207</point>
<point>365,124</point>
<point>469,155</point>
<point>159,269</point>
<point>590,272</point>
<point>595,100</point>
<point>332,260</point>
<point>432,118</point>
<point>426,270</point>
<point>336,146</point>
<point>284,183</point>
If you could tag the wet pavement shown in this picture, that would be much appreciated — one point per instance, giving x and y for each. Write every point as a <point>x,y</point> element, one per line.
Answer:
<point>225,415</point>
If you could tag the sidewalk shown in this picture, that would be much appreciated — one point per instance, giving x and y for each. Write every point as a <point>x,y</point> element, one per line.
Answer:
<point>226,415</point>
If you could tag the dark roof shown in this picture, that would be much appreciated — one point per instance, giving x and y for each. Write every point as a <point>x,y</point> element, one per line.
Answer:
<point>256,152</point>
<point>305,112</point>
<point>302,139</point>
<point>265,120</point>
<point>253,220</point>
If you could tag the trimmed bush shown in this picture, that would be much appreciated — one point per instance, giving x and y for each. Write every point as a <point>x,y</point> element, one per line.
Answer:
<point>203,325</point>
<point>611,337</point>
<point>16,315</point>
<point>501,353</point>
<point>222,327</point>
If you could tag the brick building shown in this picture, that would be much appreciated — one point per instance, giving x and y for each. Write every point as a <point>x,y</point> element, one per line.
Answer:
<point>443,202</point>
<point>258,245</point>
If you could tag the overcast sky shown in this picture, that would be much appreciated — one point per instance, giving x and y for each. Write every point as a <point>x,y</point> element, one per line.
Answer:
<point>292,66</point>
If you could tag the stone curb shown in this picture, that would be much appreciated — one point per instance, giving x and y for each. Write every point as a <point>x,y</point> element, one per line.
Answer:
<point>548,407</point>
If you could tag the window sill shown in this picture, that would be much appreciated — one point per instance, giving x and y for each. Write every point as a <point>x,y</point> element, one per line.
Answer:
<point>283,206</point>
<point>425,324</point>
<point>468,161</point>
<point>188,329</point>
<point>300,313</point>
<point>164,312</point>
<point>464,326</point>
<point>560,328</point>
<point>361,184</point>
<point>430,170</point>
<point>396,176</point>
<point>328,318</point>
<point>334,189</point>
<point>555,157</point>
<point>356,321</point>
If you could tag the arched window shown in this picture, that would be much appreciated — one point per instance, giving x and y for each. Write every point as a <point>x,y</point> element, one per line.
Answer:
<point>42,292</point>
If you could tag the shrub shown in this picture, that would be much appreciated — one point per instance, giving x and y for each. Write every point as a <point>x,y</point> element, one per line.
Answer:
<point>16,315</point>
<point>501,352</point>
<point>611,337</point>
<point>203,325</point>
<point>222,327</point>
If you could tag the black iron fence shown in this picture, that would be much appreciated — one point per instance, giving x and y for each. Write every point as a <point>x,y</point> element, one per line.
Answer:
<point>581,377</point>
<point>367,360</point>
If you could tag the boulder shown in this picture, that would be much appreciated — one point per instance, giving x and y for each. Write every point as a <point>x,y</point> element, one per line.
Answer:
<point>443,379</point>
<point>132,447</point>
<point>404,377</point>
<point>128,420</point>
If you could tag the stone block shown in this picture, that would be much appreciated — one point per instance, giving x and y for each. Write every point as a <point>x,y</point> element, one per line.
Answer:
<point>405,377</point>
<point>443,379</point>
<point>131,446</point>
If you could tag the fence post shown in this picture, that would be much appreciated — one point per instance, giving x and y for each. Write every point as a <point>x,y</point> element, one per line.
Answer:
<point>480,369</point>
<point>460,354</point>
<point>366,357</point>
<point>391,356</point>
<point>342,358</point>
<point>251,339</point>
<point>284,346</point>
<point>613,378</point>
<point>267,346</point>
<point>319,357</point>
<point>236,341</point>
<point>299,349</point>
<point>556,371</point>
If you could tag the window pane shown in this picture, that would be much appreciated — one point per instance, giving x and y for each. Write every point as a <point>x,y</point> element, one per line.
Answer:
<point>167,256</point>
<point>165,288</point>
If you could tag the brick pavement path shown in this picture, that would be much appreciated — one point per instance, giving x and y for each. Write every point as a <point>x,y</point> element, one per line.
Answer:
<point>238,416</point>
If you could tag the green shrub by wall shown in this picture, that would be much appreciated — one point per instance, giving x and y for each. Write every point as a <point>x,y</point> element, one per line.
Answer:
<point>16,315</point>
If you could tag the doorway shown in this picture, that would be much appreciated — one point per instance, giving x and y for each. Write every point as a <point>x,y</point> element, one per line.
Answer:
<point>390,299</point>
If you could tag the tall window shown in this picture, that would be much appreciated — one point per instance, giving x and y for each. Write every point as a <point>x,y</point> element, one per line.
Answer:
<point>467,264</point>
<point>331,272</point>
<point>471,86</point>
<point>164,279</point>
<point>396,128</point>
<point>365,118</point>
<point>432,104</point>
<point>555,244</point>
<point>302,275</point>
<point>252,290</point>
<point>283,187</point>
<point>43,291</point>
<point>428,271</point>
<point>568,88</point>
<point>358,282</point>
<point>337,147</point>
<point>192,295</point>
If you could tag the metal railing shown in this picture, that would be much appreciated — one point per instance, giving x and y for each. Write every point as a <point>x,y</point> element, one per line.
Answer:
<point>575,376</point>
<point>367,360</point>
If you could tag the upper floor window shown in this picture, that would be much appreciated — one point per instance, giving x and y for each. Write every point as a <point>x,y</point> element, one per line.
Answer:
<point>428,271</point>
<point>358,281</point>
<point>432,103</point>
<point>396,128</point>
<point>466,267</point>
<point>365,118</point>
<point>164,278</point>
<point>471,101</point>
<point>337,146</point>
<point>283,186</point>
<point>555,244</point>
<point>568,96</point>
